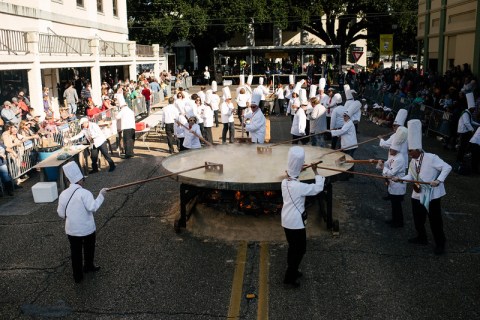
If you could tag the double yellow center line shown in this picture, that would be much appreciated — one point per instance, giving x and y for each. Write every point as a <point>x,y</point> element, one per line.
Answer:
<point>237,285</point>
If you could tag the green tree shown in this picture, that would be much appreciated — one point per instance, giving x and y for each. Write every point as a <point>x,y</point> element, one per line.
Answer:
<point>209,23</point>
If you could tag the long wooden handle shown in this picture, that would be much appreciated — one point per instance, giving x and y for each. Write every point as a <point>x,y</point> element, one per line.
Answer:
<point>195,134</point>
<point>361,161</point>
<point>297,139</point>
<point>371,175</point>
<point>354,145</point>
<point>155,178</point>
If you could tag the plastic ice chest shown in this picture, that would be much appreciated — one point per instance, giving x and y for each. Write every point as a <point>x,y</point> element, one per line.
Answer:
<point>45,192</point>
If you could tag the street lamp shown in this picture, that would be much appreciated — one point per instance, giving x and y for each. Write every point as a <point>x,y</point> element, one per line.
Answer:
<point>394,28</point>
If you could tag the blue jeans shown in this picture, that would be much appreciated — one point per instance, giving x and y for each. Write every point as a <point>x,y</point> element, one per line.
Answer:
<point>4,175</point>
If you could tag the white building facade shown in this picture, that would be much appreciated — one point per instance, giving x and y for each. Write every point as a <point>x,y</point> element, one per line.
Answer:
<point>47,37</point>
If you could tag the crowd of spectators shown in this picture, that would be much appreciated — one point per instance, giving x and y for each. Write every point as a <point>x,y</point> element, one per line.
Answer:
<point>22,126</point>
<point>440,98</point>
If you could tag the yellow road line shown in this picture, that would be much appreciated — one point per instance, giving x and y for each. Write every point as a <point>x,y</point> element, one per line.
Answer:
<point>262,309</point>
<point>237,285</point>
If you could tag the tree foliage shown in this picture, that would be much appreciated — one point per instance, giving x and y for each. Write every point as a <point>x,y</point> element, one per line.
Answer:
<point>208,23</point>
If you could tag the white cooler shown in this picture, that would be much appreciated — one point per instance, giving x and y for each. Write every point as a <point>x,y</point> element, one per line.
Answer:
<point>45,192</point>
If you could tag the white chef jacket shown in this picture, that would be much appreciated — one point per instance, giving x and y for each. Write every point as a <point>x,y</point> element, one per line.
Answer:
<point>348,134</point>
<point>476,137</point>
<point>257,126</point>
<point>180,105</point>
<point>207,117</point>
<point>386,144</point>
<point>336,120</point>
<point>215,102</point>
<point>395,167</point>
<point>299,123</point>
<point>291,103</point>
<point>227,112</point>
<point>92,133</point>
<point>433,168</point>
<point>242,100</point>
<point>261,90</point>
<point>279,93</point>
<point>79,213</point>
<point>191,141</point>
<point>357,115</point>
<point>201,95</point>
<point>318,119</point>
<point>465,122</point>
<point>294,193</point>
<point>178,129</point>
<point>169,114</point>
<point>200,110</point>
<point>331,104</point>
<point>126,117</point>
<point>287,92</point>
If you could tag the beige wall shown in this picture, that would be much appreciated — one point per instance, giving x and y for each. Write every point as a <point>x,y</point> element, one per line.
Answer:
<point>459,30</point>
<point>65,18</point>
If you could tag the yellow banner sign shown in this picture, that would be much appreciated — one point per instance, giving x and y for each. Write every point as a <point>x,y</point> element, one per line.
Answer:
<point>386,44</point>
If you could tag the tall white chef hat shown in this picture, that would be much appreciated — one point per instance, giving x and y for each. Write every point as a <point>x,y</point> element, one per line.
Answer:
<point>322,83</point>
<point>206,68</point>
<point>401,117</point>
<point>348,94</point>
<point>255,100</point>
<point>242,79</point>
<point>338,98</point>
<point>346,87</point>
<point>303,97</point>
<point>353,108</point>
<point>414,134</point>
<point>260,80</point>
<point>208,96</point>
<point>250,80</point>
<point>313,91</point>
<point>72,171</point>
<point>291,79</point>
<point>226,93</point>
<point>470,100</point>
<point>399,137</point>
<point>214,86</point>
<point>296,159</point>
<point>297,88</point>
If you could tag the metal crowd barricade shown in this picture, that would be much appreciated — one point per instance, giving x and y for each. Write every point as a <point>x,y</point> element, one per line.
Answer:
<point>157,97</point>
<point>138,105</point>
<point>439,122</point>
<point>25,160</point>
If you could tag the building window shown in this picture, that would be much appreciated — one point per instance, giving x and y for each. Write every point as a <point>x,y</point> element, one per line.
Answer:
<point>115,8</point>
<point>99,5</point>
<point>80,3</point>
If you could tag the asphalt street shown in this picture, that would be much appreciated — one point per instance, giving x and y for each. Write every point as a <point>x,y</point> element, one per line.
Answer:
<point>368,271</point>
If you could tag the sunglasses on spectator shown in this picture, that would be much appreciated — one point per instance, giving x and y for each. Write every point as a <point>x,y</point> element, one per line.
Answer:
<point>191,120</point>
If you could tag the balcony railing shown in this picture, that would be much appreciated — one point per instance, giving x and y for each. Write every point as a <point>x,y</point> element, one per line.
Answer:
<point>13,42</point>
<point>144,50</point>
<point>55,44</point>
<point>113,49</point>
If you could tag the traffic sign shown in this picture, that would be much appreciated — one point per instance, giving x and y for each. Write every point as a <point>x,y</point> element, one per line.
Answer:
<point>357,55</point>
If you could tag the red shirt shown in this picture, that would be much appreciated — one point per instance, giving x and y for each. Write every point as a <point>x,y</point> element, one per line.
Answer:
<point>92,111</point>
<point>146,93</point>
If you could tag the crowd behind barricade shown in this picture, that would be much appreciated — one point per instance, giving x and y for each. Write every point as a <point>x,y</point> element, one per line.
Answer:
<point>26,131</point>
<point>440,102</point>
